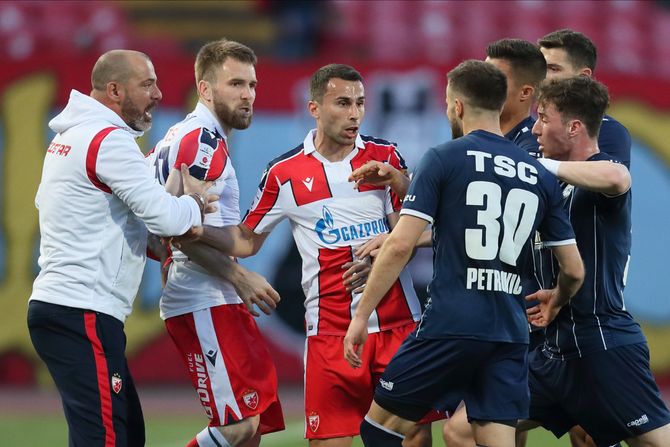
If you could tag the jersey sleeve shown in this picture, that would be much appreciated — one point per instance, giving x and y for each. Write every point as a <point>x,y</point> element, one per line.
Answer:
<point>555,228</point>
<point>615,140</point>
<point>196,149</point>
<point>120,167</point>
<point>423,196</point>
<point>266,211</point>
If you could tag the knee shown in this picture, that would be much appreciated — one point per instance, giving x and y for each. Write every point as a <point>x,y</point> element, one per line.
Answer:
<point>457,436</point>
<point>422,437</point>
<point>240,432</point>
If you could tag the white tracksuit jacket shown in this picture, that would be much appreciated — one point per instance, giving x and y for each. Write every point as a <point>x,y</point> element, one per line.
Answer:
<point>96,200</point>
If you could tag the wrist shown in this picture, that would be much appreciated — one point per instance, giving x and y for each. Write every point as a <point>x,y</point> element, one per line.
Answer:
<point>550,165</point>
<point>200,200</point>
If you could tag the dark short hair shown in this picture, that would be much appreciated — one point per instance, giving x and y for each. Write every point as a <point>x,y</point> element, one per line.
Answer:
<point>580,49</point>
<point>483,84</point>
<point>579,97</point>
<point>525,59</point>
<point>319,80</point>
<point>214,54</point>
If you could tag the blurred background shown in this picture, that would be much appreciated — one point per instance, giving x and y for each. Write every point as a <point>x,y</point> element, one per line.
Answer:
<point>402,48</point>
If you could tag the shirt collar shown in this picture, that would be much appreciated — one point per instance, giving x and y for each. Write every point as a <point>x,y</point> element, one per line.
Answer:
<point>202,111</point>
<point>308,143</point>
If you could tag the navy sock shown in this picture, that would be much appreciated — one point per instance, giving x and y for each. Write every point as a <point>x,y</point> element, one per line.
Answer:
<point>375,435</point>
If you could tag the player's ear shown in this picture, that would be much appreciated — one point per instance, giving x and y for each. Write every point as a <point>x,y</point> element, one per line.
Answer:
<point>527,93</point>
<point>205,90</point>
<point>313,109</point>
<point>586,71</point>
<point>575,127</point>
<point>458,108</point>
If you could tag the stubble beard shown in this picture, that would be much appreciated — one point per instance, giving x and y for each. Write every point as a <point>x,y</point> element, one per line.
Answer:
<point>231,118</point>
<point>134,117</point>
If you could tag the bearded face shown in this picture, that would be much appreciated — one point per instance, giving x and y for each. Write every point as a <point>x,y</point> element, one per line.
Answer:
<point>135,116</point>
<point>237,116</point>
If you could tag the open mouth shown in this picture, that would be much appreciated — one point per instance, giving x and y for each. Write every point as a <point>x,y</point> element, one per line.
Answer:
<point>351,131</point>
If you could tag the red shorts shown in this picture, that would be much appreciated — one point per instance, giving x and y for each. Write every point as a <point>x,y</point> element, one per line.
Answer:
<point>229,364</point>
<point>337,396</point>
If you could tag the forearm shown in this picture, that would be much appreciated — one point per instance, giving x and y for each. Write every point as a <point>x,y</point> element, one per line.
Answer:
<point>393,256</point>
<point>399,184</point>
<point>231,240</point>
<point>211,259</point>
<point>600,176</point>
<point>571,273</point>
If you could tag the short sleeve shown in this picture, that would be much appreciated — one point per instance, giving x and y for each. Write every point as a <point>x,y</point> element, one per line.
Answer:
<point>266,210</point>
<point>423,196</point>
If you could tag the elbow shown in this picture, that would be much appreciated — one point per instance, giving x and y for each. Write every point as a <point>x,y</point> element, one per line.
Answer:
<point>619,180</point>
<point>398,248</point>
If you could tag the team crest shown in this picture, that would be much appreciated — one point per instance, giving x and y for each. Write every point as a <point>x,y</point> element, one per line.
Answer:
<point>251,399</point>
<point>313,421</point>
<point>117,383</point>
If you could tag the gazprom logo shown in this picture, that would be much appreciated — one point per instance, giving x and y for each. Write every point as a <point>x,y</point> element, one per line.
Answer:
<point>330,234</point>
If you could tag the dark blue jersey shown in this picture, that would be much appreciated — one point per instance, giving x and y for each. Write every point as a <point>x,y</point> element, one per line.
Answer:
<point>614,140</point>
<point>539,271</point>
<point>596,318</point>
<point>522,136</point>
<point>485,198</point>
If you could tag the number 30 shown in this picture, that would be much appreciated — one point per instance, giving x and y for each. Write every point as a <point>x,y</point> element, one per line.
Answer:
<point>517,221</point>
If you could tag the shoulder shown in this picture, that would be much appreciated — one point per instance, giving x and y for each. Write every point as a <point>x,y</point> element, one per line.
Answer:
<point>373,141</point>
<point>609,124</point>
<point>288,158</point>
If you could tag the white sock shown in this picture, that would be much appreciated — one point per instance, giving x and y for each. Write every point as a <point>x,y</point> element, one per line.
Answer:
<point>211,437</point>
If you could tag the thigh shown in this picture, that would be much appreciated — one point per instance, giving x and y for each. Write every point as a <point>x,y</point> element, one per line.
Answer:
<point>499,391</point>
<point>548,381</point>
<point>229,365</point>
<point>619,398</point>
<point>428,374</point>
<point>84,352</point>
<point>337,396</point>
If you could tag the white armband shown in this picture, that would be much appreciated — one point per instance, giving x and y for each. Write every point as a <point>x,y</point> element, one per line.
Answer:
<point>551,165</point>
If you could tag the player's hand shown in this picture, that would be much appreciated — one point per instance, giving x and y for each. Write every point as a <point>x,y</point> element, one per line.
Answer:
<point>546,309</point>
<point>191,184</point>
<point>375,173</point>
<point>253,288</point>
<point>356,275</point>
<point>192,235</point>
<point>354,341</point>
<point>371,248</point>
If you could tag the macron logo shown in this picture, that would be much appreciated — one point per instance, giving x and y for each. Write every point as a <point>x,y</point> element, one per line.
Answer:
<point>308,183</point>
<point>637,422</point>
<point>387,385</point>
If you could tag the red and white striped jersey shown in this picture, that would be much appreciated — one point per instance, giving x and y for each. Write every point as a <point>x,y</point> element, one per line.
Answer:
<point>329,219</point>
<point>199,142</point>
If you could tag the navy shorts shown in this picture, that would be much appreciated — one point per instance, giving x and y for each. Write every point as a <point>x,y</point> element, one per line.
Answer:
<point>85,354</point>
<point>611,394</point>
<point>425,374</point>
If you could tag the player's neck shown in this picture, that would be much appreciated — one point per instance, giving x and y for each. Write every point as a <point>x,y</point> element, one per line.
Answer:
<point>487,122</point>
<point>331,150</point>
<point>584,149</point>
<point>511,120</point>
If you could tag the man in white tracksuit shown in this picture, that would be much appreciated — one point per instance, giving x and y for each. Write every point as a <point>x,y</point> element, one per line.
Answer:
<point>96,200</point>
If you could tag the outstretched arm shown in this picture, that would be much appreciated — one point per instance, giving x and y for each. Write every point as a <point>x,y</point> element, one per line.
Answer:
<point>251,287</point>
<point>381,174</point>
<point>602,176</point>
<point>395,253</point>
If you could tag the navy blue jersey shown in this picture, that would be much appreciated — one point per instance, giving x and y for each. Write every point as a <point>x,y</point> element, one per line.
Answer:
<point>485,198</point>
<point>523,137</point>
<point>614,140</point>
<point>539,271</point>
<point>596,318</point>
